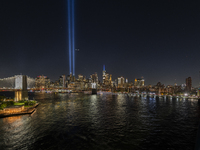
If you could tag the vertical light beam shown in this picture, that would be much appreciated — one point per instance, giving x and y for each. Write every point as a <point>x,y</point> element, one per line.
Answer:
<point>69,35</point>
<point>73,41</point>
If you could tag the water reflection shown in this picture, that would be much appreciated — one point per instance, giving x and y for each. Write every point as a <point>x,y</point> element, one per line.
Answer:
<point>11,119</point>
<point>106,121</point>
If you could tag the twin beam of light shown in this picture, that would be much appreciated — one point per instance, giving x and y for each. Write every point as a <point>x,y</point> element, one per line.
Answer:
<point>73,43</point>
<point>71,36</point>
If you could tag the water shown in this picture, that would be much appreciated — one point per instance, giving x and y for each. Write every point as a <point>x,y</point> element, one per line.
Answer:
<point>78,121</point>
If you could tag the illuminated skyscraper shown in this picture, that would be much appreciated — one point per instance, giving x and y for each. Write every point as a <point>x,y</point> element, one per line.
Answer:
<point>94,78</point>
<point>62,81</point>
<point>139,82</point>
<point>104,74</point>
<point>107,79</point>
<point>121,81</point>
<point>110,78</point>
<point>42,82</point>
<point>80,77</point>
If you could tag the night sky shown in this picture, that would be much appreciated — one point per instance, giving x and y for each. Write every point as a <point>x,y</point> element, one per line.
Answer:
<point>159,40</point>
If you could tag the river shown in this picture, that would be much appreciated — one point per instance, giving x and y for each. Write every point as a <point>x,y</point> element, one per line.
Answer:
<point>79,121</point>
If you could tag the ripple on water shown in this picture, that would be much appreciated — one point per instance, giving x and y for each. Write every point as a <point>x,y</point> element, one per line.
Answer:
<point>80,121</point>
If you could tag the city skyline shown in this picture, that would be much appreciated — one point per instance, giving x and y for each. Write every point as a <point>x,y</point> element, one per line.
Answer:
<point>106,76</point>
<point>156,40</point>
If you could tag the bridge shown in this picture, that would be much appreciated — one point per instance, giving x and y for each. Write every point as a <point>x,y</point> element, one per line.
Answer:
<point>11,82</point>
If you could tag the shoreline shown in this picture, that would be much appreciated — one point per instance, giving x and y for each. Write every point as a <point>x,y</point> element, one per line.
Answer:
<point>29,110</point>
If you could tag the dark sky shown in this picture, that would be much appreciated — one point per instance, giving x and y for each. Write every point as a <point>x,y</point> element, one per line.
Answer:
<point>156,39</point>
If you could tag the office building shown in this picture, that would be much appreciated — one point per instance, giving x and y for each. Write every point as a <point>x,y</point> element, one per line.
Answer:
<point>121,82</point>
<point>139,82</point>
<point>42,82</point>
<point>188,84</point>
<point>62,81</point>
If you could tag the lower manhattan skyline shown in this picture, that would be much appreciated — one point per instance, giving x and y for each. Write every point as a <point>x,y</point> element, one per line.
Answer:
<point>156,40</point>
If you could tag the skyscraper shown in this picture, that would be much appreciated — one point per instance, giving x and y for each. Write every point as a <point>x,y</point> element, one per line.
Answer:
<point>107,79</point>
<point>94,78</point>
<point>42,82</point>
<point>104,74</point>
<point>188,84</point>
<point>62,81</point>
<point>121,82</point>
<point>80,77</point>
<point>139,82</point>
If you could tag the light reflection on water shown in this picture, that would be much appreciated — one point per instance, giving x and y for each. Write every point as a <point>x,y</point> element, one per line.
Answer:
<point>78,121</point>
